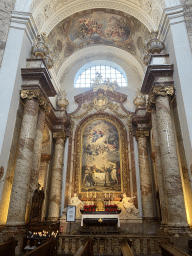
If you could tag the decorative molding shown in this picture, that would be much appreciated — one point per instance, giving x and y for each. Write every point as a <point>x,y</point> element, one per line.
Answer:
<point>100,103</point>
<point>37,71</point>
<point>30,94</point>
<point>24,21</point>
<point>155,71</point>
<point>171,15</point>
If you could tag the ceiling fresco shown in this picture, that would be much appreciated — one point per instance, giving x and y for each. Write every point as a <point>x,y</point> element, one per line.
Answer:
<point>100,27</point>
<point>97,28</point>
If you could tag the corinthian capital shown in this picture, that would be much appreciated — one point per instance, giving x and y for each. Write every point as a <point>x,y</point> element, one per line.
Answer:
<point>144,133</point>
<point>164,90</point>
<point>30,94</point>
<point>37,94</point>
<point>59,135</point>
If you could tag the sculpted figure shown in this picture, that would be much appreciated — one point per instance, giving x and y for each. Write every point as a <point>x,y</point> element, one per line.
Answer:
<point>78,203</point>
<point>127,204</point>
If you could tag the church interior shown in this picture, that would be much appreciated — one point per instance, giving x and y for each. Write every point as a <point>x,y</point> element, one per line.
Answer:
<point>96,127</point>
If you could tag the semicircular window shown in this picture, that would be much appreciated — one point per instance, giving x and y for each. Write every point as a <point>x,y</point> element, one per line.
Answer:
<point>93,72</point>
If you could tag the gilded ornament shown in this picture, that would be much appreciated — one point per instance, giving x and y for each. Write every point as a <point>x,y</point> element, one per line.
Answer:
<point>31,94</point>
<point>163,90</point>
<point>139,100</point>
<point>100,103</point>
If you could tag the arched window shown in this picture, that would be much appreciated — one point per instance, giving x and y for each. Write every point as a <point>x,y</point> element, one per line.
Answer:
<point>107,69</point>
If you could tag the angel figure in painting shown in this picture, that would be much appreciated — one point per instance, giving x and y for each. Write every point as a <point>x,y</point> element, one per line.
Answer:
<point>127,204</point>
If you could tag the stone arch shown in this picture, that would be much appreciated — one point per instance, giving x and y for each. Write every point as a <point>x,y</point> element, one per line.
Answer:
<point>70,9</point>
<point>104,50</point>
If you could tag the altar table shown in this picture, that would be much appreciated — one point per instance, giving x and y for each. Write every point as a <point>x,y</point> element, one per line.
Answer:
<point>100,216</point>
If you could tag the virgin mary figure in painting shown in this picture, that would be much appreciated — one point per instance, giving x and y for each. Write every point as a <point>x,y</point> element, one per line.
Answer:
<point>100,163</point>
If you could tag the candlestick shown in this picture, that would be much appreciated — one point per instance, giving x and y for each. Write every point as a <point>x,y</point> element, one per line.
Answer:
<point>87,194</point>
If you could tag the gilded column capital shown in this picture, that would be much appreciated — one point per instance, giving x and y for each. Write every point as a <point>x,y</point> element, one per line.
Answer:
<point>142,133</point>
<point>59,135</point>
<point>37,94</point>
<point>164,90</point>
<point>159,91</point>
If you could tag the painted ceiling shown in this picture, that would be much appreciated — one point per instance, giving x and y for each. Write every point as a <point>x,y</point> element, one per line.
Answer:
<point>91,28</point>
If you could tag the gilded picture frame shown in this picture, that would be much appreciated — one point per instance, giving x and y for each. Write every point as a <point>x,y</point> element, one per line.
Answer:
<point>101,162</point>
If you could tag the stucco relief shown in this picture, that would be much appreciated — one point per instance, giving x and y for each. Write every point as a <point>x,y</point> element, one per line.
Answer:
<point>40,21</point>
<point>63,11</point>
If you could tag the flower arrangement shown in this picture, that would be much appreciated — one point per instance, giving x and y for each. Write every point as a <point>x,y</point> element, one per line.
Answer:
<point>89,208</point>
<point>111,208</point>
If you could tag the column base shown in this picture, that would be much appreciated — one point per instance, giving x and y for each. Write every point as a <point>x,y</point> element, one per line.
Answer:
<point>16,230</point>
<point>53,219</point>
<point>176,230</point>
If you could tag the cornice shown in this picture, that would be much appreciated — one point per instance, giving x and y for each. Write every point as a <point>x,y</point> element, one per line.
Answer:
<point>154,71</point>
<point>39,73</point>
<point>171,15</point>
<point>24,21</point>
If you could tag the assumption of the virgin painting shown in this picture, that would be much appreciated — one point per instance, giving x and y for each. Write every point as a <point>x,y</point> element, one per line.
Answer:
<point>100,163</point>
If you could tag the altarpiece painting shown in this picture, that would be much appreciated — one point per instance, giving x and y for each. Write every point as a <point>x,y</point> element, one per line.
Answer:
<point>100,163</point>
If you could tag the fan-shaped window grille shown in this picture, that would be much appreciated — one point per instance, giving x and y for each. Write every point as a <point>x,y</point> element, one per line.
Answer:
<point>108,73</point>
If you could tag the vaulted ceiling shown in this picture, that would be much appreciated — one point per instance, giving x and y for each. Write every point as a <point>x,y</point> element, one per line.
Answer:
<point>79,31</point>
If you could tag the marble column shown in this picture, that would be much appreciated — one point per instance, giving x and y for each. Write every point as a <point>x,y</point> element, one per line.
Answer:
<point>21,181</point>
<point>170,164</point>
<point>37,150</point>
<point>158,169</point>
<point>145,175</point>
<point>56,179</point>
